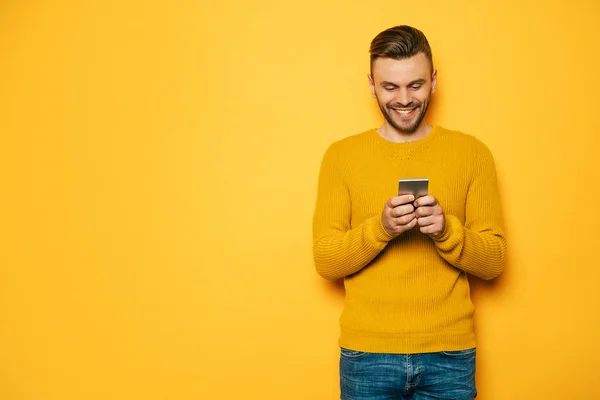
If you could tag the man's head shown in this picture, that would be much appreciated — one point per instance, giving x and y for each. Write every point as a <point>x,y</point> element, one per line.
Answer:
<point>402,76</point>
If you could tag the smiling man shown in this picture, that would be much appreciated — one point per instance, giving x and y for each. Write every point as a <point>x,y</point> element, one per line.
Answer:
<point>407,324</point>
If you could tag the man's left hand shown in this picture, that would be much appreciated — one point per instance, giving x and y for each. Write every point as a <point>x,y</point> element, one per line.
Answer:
<point>430,216</point>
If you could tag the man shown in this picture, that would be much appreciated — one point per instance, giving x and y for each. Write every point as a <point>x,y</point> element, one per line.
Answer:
<point>407,324</point>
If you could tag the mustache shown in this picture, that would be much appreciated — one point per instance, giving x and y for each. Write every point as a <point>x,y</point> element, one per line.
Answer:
<point>398,105</point>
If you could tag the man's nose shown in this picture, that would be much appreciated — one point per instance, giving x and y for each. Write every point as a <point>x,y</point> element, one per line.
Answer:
<point>403,97</point>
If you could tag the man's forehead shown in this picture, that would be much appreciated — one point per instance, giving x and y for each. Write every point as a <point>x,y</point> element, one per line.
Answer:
<point>401,71</point>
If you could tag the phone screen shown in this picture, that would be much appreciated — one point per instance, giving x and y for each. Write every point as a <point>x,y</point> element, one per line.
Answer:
<point>416,187</point>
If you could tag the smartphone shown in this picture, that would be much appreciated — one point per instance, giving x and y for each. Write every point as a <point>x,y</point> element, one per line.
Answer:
<point>416,187</point>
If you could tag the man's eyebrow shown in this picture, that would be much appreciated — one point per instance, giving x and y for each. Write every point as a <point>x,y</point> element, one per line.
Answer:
<point>419,81</point>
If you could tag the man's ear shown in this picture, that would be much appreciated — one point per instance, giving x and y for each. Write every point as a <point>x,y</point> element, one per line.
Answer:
<point>433,81</point>
<point>371,84</point>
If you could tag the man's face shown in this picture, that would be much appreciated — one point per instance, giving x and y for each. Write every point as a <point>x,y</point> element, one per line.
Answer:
<point>403,89</point>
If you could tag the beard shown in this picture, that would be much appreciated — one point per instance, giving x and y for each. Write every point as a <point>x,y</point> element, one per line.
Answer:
<point>388,109</point>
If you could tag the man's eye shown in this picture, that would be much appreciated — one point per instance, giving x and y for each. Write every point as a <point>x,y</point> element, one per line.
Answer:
<point>415,87</point>
<point>389,88</point>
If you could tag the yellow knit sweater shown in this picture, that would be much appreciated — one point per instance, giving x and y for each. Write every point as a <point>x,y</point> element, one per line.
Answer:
<point>409,294</point>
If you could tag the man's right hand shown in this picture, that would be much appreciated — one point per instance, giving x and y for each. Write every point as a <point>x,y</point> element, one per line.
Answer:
<point>398,215</point>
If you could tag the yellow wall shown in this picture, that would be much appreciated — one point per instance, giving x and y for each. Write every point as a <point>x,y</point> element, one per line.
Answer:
<point>158,167</point>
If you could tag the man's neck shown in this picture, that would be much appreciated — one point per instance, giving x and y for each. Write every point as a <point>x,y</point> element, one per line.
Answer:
<point>390,133</point>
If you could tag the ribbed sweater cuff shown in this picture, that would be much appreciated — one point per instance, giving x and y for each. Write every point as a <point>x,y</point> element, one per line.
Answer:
<point>453,233</point>
<point>376,232</point>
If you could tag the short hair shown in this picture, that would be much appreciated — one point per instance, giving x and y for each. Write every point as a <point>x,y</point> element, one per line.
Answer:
<point>399,43</point>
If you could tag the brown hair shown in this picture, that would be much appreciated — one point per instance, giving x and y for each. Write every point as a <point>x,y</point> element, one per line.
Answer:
<point>400,42</point>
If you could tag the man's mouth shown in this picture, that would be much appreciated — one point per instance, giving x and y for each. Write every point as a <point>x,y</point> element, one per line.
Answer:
<point>405,112</point>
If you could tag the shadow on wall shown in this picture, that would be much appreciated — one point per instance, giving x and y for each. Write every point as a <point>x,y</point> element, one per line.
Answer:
<point>334,289</point>
<point>498,286</point>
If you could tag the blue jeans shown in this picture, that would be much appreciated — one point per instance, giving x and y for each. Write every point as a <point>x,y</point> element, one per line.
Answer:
<point>374,376</point>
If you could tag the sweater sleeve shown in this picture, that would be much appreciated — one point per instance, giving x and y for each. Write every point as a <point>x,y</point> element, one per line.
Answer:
<point>338,248</point>
<point>479,246</point>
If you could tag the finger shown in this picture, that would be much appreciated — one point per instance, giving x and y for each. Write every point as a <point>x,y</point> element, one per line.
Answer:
<point>411,224</point>
<point>425,229</point>
<point>430,229</point>
<point>425,211</point>
<point>406,227</point>
<point>426,201</point>
<point>399,211</point>
<point>405,219</point>
<point>400,200</point>
<point>425,221</point>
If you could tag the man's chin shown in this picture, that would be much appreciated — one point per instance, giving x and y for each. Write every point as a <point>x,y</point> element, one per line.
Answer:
<point>407,131</point>
<point>406,128</point>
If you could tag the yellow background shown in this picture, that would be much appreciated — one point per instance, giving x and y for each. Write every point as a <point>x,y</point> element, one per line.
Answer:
<point>158,169</point>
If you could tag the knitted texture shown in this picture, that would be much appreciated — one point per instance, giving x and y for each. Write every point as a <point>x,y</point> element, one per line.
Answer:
<point>408,294</point>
